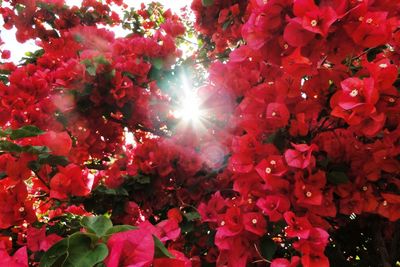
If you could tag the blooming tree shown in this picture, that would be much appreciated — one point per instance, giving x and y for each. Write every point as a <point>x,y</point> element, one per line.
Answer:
<point>277,143</point>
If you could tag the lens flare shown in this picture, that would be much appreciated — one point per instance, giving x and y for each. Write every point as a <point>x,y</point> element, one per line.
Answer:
<point>189,109</point>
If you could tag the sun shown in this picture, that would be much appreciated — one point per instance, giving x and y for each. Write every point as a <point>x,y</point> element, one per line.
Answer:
<point>189,109</point>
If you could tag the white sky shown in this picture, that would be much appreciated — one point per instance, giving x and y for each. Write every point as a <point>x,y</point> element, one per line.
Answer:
<point>18,50</point>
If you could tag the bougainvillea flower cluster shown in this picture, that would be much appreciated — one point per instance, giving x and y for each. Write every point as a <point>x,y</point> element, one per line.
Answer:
<point>296,161</point>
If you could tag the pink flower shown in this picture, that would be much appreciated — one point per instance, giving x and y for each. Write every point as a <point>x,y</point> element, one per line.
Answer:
<point>134,248</point>
<point>281,262</point>
<point>301,156</point>
<point>19,259</point>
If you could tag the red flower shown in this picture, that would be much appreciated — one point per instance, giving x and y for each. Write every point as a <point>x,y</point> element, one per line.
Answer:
<point>274,206</point>
<point>309,191</point>
<point>313,18</point>
<point>37,239</point>
<point>167,262</point>
<point>5,54</point>
<point>15,207</point>
<point>271,166</point>
<point>215,206</point>
<point>390,206</point>
<point>254,222</point>
<point>174,214</point>
<point>356,92</point>
<point>314,259</point>
<point>70,180</point>
<point>295,35</point>
<point>351,204</point>
<point>232,222</point>
<point>297,226</point>
<point>59,143</point>
<point>316,241</point>
<point>384,74</point>
<point>277,115</point>
<point>241,163</point>
<point>370,30</point>
<point>17,168</point>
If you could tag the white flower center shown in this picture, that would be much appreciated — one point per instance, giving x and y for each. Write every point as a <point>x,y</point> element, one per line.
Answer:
<point>365,188</point>
<point>354,93</point>
<point>314,23</point>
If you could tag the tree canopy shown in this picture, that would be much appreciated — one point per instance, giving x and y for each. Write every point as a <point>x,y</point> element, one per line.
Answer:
<point>237,133</point>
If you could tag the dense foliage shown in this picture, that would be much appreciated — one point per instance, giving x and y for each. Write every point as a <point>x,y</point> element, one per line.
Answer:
<point>293,160</point>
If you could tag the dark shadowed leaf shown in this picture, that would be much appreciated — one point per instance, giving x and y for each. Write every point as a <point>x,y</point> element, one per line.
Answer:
<point>192,216</point>
<point>53,160</point>
<point>337,177</point>
<point>207,2</point>
<point>267,247</point>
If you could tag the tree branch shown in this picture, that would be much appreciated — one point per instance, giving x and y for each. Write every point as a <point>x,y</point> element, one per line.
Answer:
<point>394,246</point>
<point>381,246</point>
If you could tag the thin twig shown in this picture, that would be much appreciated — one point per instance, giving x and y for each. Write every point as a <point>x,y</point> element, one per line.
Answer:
<point>259,254</point>
<point>41,179</point>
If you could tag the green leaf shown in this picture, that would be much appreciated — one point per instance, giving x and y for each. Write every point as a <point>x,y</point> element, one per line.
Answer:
<point>101,60</point>
<point>91,70</point>
<point>157,63</point>
<point>207,2</point>
<point>117,229</point>
<point>36,149</point>
<point>78,38</point>
<point>8,146</point>
<point>267,247</point>
<point>192,216</point>
<point>226,24</point>
<point>56,254</point>
<point>120,191</point>
<point>160,250</point>
<point>142,179</point>
<point>120,228</point>
<point>53,160</point>
<point>76,250</point>
<point>98,225</point>
<point>336,177</point>
<point>25,131</point>
<point>187,227</point>
<point>34,165</point>
<point>278,139</point>
<point>3,133</point>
